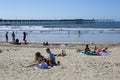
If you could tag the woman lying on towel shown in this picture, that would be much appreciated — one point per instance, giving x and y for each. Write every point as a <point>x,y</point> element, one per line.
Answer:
<point>40,62</point>
<point>102,52</point>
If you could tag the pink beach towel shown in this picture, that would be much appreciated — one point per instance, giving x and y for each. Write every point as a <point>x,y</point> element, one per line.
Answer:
<point>103,53</point>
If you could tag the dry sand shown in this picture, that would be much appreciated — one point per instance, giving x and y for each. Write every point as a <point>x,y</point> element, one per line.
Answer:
<point>13,58</point>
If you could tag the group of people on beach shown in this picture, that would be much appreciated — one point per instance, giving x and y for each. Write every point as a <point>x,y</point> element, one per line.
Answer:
<point>16,40</point>
<point>46,63</point>
<point>96,51</point>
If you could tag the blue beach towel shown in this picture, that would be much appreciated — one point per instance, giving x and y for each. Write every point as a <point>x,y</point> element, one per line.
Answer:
<point>88,53</point>
<point>43,65</point>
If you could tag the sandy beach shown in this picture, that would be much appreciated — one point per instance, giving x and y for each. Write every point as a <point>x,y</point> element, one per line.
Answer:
<point>13,58</point>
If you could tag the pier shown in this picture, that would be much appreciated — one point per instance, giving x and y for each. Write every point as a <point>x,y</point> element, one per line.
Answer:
<point>104,20</point>
<point>19,22</point>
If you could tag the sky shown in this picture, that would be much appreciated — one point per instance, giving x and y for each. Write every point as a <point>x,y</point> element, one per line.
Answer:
<point>60,9</point>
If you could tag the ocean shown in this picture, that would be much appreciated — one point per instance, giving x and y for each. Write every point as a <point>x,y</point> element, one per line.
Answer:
<point>90,32</point>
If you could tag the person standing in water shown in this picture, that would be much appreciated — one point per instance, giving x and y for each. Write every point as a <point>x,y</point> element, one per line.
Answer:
<point>13,37</point>
<point>6,35</point>
<point>24,37</point>
<point>79,33</point>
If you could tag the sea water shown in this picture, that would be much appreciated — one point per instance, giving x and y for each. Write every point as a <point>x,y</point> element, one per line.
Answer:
<point>95,32</point>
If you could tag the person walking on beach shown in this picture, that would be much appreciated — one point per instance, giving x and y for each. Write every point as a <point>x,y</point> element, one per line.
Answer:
<point>6,35</point>
<point>13,37</point>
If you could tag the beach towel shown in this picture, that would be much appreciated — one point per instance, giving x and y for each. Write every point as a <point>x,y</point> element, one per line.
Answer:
<point>94,53</point>
<point>88,53</point>
<point>38,67</point>
<point>43,65</point>
<point>103,53</point>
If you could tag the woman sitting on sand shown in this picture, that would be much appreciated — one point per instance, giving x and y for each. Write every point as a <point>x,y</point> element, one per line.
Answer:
<point>89,52</point>
<point>16,42</point>
<point>87,49</point>
<point>45,43</point>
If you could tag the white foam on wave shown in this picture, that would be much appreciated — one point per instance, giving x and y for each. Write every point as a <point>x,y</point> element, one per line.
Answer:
<point>42,28</point>
<point>22,28</point>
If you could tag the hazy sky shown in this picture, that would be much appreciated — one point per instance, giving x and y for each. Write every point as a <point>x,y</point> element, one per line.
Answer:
<point>60,9</point>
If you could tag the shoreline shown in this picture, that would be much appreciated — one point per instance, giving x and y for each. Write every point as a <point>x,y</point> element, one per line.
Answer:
<point>50,35</point>
<point>110,44</point>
